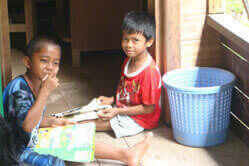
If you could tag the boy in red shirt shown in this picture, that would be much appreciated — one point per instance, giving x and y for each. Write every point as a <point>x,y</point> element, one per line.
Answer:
<point>139,90</point>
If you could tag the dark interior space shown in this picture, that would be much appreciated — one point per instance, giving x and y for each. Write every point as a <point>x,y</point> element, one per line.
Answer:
<point>44,27</point>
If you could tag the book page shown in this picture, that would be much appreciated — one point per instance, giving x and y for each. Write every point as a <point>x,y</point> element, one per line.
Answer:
<point>88,112</point>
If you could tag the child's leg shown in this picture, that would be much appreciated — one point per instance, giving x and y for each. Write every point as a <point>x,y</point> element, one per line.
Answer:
<point>100,125</point>
<point>130,156</point>
<point>121,125</point>
<point>30,157</point>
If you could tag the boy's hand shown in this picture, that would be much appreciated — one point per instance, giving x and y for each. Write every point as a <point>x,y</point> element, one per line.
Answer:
<point>49,83</point>
<point>54,122</point>
<point>107,114</point>
<point>106,100</point>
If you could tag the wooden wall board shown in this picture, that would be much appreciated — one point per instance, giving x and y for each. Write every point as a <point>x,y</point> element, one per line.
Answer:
<point>233,37</point>
<point>235,47</point>
<point>30,19</point>
<point>192,26</point>
<point>237,66</point>
<point>239,129</point>
<point>240,106</point>
<point>6,71</point>
<point>151,6</point>
<point>230,28</point>
<point>159,40</point>
<point>195,54</point>
<point>171,33</point>
<point>169,40</point>
<point>199,43</point>
<point>191,7</point>
<point>193,14</point>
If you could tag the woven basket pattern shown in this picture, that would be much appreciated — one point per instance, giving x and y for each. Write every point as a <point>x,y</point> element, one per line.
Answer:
<point>200,100</point>
<point>200,114</point>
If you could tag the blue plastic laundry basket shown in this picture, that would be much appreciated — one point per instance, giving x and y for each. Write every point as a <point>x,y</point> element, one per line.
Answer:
<point>200,100</point>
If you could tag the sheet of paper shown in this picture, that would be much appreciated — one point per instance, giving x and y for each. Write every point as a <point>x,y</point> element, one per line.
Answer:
<point>84,116</point>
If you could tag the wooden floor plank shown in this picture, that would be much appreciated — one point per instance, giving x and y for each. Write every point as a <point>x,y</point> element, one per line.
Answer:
<point>232,152</point>
<point>159,152</point>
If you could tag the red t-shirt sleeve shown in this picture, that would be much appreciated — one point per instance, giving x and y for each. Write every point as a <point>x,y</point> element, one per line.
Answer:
<point>150,86</point>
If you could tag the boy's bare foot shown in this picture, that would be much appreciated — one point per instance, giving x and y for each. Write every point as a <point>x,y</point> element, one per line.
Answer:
<point>136,153</point>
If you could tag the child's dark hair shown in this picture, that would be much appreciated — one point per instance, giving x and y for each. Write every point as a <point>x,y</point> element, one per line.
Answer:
<point>37,43</point>
<point>139,22</point>
<point>8,148</point>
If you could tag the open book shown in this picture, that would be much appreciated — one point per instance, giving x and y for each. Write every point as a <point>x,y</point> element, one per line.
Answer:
<point>87,112</point>
<point>72,143</point>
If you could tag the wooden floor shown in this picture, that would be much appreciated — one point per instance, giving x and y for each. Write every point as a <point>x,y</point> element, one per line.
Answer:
<point>98,75</point>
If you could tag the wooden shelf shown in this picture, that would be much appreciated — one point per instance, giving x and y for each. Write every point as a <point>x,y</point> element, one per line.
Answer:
<point>17,28</point>
<point>61,25</point>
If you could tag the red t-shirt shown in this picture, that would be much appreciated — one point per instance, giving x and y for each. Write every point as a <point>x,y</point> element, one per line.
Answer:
<point>141,87</point>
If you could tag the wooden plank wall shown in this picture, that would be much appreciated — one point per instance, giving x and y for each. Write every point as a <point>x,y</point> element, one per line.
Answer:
<point>236,60</point>
<point>182,37</point>
<point>30,19</point>
<point>167,47</point>
<point>199,42</point>
<point>6,72</point>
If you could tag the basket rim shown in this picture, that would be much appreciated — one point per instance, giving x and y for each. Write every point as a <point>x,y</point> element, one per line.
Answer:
<point>203,90</point>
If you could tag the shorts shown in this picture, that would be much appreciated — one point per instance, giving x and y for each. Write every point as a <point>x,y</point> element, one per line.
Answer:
<point>124,125</point>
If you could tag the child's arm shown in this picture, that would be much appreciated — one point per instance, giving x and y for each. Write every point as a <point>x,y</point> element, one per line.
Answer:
<point>106,100</point>
<point>35,112</point>
<point>53,122</point>
<point>133,110</point>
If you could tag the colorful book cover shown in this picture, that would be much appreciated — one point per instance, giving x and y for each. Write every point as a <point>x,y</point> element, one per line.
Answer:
<point>72,143</point>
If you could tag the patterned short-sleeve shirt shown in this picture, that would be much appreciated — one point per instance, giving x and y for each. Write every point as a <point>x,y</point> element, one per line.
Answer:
<point>17,100</point>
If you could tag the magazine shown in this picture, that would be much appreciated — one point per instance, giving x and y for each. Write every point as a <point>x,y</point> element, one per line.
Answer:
<point>72,143</point>
<point>87,112</point>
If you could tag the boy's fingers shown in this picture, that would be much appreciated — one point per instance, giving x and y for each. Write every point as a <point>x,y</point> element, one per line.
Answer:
<point>100,98</point>
<point>72,121</point>
<point>44,78</point>
<point>103,115</point>
<point>105,111</point>
<point>103,119</point>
